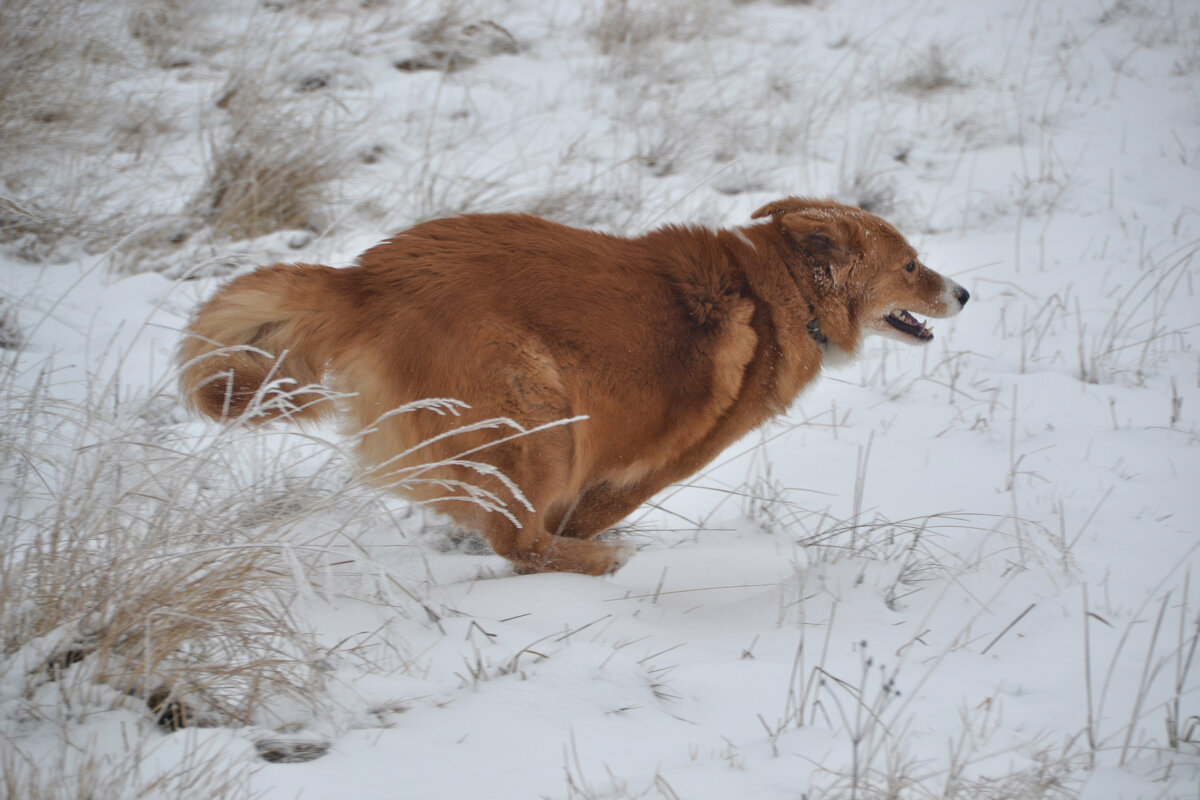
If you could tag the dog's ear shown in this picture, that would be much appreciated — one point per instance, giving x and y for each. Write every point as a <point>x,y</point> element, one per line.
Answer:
<point>821,230</point>
<point>822,235</point>
<point>827,241</point>
<point>818,230</point>
<point>813,225</point>
<point>786,206</point>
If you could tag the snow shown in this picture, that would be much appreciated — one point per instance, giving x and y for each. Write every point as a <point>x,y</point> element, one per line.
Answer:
<point>958,570</point>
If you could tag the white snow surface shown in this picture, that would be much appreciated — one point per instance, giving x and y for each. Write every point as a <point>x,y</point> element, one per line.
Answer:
<point>958,570</point>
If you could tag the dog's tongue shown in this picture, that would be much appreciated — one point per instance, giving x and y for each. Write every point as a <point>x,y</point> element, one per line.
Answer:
<point>909,324</point>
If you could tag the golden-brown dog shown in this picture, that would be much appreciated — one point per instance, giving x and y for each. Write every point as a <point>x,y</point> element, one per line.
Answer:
<point>670,346</point>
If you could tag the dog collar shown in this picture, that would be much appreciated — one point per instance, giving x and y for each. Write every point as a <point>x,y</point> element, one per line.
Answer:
<point>814,327</point>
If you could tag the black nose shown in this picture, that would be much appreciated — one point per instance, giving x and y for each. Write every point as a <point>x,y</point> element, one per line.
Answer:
<point>962,295</point>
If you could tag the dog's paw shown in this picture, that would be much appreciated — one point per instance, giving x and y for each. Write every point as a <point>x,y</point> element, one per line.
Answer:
<point>621,555</point>
<point>575,555</point>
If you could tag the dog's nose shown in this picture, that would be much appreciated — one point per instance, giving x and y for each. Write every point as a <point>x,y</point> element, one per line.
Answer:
<point>962,295</point>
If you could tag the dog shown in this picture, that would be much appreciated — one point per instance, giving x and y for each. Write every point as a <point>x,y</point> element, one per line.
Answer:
<point>595,369</point>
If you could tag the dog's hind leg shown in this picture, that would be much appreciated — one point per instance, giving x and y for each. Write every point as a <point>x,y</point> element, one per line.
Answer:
<point>598,508</point>
<point>546,552</point>
<point>537,464</point>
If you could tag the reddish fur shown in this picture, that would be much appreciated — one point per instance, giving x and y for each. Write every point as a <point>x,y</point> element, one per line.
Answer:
<point>673,344</point>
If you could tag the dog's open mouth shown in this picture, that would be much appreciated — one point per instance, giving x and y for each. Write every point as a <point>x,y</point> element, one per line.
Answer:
<point>906,323</point>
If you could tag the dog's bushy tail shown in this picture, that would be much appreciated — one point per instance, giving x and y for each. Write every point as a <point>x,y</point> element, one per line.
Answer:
<point>263,342</point>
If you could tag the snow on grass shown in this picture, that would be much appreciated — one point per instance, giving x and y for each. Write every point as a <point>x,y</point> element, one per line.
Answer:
<point>959,571</point>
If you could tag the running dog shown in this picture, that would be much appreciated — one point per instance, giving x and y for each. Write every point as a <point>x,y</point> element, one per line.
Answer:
<point>619,365</point>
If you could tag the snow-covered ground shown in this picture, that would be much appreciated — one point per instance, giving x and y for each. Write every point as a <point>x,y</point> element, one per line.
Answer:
<point>960,571</point>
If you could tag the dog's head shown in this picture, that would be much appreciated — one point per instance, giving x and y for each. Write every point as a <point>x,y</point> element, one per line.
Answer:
<point>866,267</point>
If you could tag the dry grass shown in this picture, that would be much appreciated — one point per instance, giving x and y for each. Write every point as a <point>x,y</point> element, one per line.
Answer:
<point>273,152</point>
<point>124,565</point>
<point>164,28</point>
<point>628,26</point>
<point>140,564</point>
<point>270,172</point>
<point>11,337</point>
<point>74,106</point>
<point>52,62</point>
<point>202,772</point>
<point>57,66</point>
<point>871,191</point>
<point>453,41</point>
<point>932,70</point>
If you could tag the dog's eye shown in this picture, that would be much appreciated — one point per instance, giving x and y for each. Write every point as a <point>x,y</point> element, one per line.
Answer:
<point>910,266</point>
